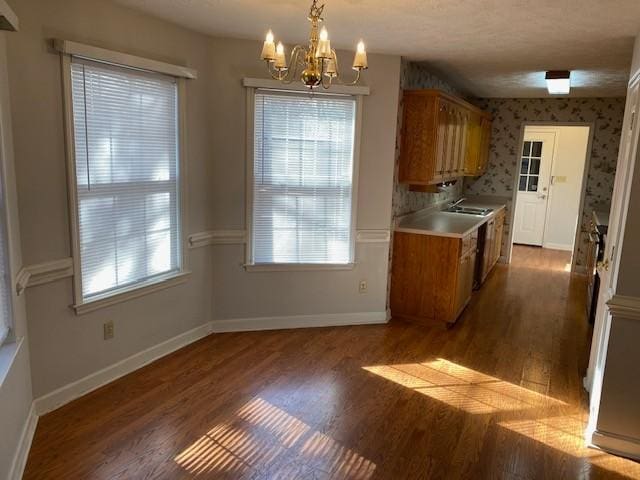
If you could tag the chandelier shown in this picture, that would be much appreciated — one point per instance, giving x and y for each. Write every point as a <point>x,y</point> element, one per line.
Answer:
<point>316,64</point>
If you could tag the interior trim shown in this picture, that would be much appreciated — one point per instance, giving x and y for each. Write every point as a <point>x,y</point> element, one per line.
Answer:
<point>298,86</point>
<point>239,237</point>
<point>298,321</point>
<point>118,58</point>
<point>617,444</point>
<point>623,306</point>
<point>78,388</point>
<point>373,236</point>
<point>45,272</point>
<point>73,390</point>
<point>140,290</point>
<point>217,237</point>
<point>8,18</point>
<point>24,445</point>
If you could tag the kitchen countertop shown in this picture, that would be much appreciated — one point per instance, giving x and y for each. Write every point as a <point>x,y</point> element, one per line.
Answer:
<point>447,224</point>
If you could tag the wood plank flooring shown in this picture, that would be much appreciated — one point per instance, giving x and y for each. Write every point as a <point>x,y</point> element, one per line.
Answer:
<point>498,396</point>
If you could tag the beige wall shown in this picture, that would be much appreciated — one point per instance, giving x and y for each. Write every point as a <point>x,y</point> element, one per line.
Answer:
<point>15,390</point>
<point>66,347</point>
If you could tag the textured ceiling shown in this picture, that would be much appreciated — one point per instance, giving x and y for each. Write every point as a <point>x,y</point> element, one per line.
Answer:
<point>487,48</point>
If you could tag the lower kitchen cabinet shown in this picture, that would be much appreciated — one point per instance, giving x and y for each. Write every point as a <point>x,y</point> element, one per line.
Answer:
<point>432,276</point>
<point>492,244</point>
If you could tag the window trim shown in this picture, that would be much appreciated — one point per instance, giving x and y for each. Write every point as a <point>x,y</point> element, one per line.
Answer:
<point>252,86</point>
<point>80,305</point>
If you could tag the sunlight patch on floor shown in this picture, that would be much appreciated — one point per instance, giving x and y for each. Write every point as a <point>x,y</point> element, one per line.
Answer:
<point>566,434</point>
<point>463,388</point>
<point>260,435</point>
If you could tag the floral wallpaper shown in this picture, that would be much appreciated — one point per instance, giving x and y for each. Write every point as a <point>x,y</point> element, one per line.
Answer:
<point>508,116</point>
<point>415,76</point>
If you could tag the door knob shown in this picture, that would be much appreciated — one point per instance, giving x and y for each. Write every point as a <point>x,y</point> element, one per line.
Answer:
<point>542,197</point>
<point>604,265</point>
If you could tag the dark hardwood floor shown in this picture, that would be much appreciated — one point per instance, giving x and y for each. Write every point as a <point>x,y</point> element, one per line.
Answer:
<point>498,396</point>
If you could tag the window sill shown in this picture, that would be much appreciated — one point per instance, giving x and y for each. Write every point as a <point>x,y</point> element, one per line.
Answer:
<point>8,353</point>
<point>297,267</point>
<point>136,292</point>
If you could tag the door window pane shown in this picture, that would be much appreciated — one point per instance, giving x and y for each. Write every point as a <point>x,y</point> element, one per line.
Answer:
<point>536,149</point>
<point>524,169</point>
<point>523,183</point>
<point>533,183</point>
<point>526,151</point>
<point>535,166</point>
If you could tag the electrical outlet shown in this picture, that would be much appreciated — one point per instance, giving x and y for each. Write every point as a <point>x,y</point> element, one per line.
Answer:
<point>108,330</point>
<point>363,286</point>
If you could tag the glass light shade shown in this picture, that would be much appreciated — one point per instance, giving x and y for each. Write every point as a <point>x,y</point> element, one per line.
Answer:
<point>558,86</point>
<point>269,48</point>
<point>360,61</point>
<point>324,45</point>
<point>281,60</point>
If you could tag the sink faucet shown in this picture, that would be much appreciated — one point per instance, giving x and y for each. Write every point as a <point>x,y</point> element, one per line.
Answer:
<point>456,203</point>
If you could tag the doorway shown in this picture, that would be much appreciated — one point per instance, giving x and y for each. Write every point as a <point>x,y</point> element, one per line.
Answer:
<point>550,185</point>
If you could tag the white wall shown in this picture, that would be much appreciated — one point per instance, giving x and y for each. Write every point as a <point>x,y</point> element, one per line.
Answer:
<point>66,347</point>
<point>563,211</point>
<point>618,411</point>
<point>15,390</point>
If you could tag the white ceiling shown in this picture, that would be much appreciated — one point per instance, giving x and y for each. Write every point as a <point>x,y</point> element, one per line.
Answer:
<point>487,48</point>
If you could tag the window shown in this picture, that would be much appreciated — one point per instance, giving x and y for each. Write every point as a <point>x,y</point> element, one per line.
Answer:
<point>127,177</point>
<point>5,277</point>
<point>530,167</point>
<point>303,167</point>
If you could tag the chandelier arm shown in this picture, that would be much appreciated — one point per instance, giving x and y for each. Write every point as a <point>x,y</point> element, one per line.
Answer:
<point>294,63</point>
<point>339,79</point>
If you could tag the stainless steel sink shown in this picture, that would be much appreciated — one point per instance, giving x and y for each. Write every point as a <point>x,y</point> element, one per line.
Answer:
<point>481,212</point>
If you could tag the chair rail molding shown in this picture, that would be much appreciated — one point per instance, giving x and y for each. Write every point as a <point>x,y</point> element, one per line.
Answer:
<point>622,306</point>
<point>8,19</point>
<point>239,237</point>
<point>217,237</point>
<point>373,236</point>
<point>40,273</point>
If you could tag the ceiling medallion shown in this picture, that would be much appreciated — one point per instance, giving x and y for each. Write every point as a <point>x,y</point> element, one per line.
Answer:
<point>316,64</point>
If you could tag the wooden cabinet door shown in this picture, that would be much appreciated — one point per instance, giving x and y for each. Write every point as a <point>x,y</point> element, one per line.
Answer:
<point>450,149</point>
<point>473,145</point>
<point>487,254</point>
<point>497,238</point>
<point>462,148</point>
<point>442,140</point>
<point>464,283</point>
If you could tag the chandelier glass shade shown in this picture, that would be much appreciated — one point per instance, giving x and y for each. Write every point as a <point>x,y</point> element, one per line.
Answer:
<point>316,64</point>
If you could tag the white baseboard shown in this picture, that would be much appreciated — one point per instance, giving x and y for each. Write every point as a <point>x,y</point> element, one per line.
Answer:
<point>76,389</point>
<point>558,246</point>
<point>298,321</point>
<point>24,445</point>
<point>617,444</point>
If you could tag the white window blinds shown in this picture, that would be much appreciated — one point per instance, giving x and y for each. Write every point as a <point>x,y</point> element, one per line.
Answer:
<point>302,178</point>
<point>126,157</point>
<point>5,279</point>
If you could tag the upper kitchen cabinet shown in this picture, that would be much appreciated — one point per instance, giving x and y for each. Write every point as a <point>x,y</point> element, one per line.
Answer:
<point>443,138</point>
<point>477,155</point>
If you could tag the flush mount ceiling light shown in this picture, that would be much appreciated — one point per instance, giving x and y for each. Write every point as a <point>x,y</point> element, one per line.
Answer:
<point>558,82</point>
<point>316,64</point>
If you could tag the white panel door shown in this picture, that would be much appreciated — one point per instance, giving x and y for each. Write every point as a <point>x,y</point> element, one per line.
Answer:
<point>533,187</point>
